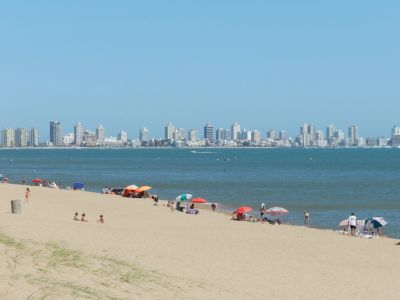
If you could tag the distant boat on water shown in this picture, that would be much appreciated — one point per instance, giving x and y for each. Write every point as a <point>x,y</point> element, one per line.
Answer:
<point>202,152</point>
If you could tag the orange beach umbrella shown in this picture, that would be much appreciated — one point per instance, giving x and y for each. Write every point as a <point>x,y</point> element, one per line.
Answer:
<point>144,188</point>
<point>199,200</point>
<point>243,209</point>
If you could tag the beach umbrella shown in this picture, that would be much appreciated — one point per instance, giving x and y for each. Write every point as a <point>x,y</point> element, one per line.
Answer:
<point>78,185</point>
<point>277,211</point>
<point>37,180</point>
<point>376,222</point>
<point>131,187</point>
<point>144,188</point>
<point>184,197</point>
<point>199,200</point>
<point>243,209</point>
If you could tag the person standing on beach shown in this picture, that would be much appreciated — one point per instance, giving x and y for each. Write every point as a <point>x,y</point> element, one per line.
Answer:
<point>27,194</point>
<point>306,217</point>
<point>353,224</point>
<point>262,212</point>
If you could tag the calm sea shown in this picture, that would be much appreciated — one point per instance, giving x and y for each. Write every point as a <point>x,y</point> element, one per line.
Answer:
<point>331,183</point>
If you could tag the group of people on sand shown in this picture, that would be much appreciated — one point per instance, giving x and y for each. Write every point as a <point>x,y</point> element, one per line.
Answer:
<point>188,208</point>
<point>84,219</point>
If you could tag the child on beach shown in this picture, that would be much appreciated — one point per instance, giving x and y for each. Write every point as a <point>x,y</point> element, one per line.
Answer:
<point>76,218</point>
<point>27,194</point>
<point>101,219</point>
<point>83,218</point>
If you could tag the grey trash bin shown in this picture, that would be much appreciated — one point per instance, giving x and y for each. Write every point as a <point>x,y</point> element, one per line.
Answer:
<point>16,206</point>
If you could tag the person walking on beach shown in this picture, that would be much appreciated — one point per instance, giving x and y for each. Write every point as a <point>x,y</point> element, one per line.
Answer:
<point>306,217</point>
<point>353,224</point>
<point>27,194</point>
<point>262,212</point>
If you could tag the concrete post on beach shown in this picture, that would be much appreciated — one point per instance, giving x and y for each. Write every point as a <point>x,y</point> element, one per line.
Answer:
<point>16,207</point>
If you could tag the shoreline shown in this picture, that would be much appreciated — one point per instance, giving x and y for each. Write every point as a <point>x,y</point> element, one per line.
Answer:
<point>221,209</point>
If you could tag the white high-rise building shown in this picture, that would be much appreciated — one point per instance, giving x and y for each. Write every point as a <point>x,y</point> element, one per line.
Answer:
<point>169,131</point>
<point>192,135</point>
<point>271,134</point>
<point>144,134</point>
<point>353,135</point>
<point>179,134</point>
<point>282,134</point>
<point>256,137</point>
<point>330,130</point>
<point>69,139</point>
<point>34,137</point>
<point>78,134</point>
<point>123,136</point>
<point>395,136</point>
<point>305,134</point>
<point>209,132</point>
<point>235,131</point>
<point>7,137</point>
<point>21,137</point>
<point>100,134</point>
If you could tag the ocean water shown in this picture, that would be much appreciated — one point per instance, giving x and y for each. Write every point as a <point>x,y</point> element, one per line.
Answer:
<point>331,183</point>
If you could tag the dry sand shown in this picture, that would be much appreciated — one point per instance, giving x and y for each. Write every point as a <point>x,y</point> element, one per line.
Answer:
<point>147,252</point>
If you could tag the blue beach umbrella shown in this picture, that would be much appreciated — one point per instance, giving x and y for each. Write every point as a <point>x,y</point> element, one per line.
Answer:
<point>78,185</point>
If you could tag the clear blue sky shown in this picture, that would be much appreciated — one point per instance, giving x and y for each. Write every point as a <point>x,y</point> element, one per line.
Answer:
<point>266,64</point>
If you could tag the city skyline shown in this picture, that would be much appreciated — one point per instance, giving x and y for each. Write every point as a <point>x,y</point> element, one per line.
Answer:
<point>309,135</point>
<point>275,63</point>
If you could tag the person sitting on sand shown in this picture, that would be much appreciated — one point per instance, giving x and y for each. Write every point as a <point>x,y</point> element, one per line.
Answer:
<point>213,207</point>
<point>76,218</point>
<point>83,218</point>
<point>101,219</point>
<point>155,200</point>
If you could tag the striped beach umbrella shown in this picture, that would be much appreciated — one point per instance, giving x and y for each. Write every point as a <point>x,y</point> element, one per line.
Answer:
<point>184,197</point>
<point>277,211</point>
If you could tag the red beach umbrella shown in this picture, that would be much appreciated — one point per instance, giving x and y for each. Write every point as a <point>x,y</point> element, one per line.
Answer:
<point>243,209</point>
<point>37,180</point>
<point>199,200</point>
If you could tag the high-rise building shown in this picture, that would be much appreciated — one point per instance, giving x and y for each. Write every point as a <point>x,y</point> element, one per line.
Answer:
<point>179,134</point>
<point>34,138</point>
<point>192,135</point>
<point>330,130</point>
<point>21,137</point>
<point>169,131</point>
<point>209,132</point>
<point>69,139</point>
<point>55,133</point>
<point>395,136</point>
<point>282,134</point>
<point>271,134</point>
<point>256,137</point>
<point>305,135</point>
<point>235,131</point>
<point>245,135</point>
<point>312,134</point>
<point>7,137</point>
<point>123,136</point>
<point>78,134</point>
<point>220,135</point>
<point>100,134</point>
<point>353,135</point>
<point>144,134</point>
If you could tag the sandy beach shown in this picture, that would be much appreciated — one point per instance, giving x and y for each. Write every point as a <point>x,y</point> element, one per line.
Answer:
<point>148,252</point>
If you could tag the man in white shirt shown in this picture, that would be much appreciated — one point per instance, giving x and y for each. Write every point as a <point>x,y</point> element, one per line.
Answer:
<point>353,224</point>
